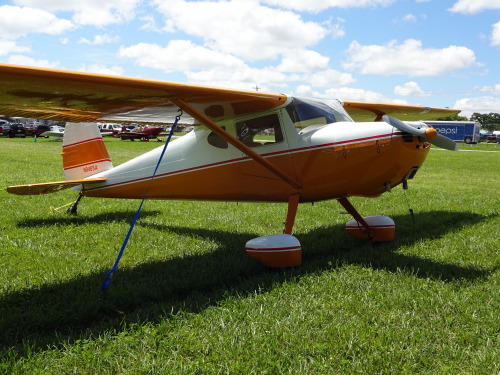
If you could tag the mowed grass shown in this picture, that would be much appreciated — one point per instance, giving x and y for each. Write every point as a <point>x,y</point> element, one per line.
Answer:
<point>187,300</point>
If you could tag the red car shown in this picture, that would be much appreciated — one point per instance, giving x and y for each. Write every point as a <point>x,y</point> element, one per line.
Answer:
<point>149,132</point>
<point>34,130</point>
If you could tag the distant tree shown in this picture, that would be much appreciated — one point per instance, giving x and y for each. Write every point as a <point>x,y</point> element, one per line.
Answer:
<point>489,121</point>
<point>453,118</point>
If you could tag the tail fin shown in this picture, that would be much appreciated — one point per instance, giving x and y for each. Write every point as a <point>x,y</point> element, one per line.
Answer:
<point>84,153</point>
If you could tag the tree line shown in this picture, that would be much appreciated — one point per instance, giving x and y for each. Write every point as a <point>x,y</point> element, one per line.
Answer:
<point>489,121</point>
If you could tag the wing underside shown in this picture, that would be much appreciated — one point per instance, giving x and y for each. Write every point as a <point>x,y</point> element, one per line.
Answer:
<point>363,111</point>
<point>83,97</point>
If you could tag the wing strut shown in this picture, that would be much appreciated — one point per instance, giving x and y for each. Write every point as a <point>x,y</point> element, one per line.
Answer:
<point>355,214</point>
<point>236,143</point>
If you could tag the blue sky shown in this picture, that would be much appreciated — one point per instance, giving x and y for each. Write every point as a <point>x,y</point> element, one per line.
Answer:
<point>427,52</point>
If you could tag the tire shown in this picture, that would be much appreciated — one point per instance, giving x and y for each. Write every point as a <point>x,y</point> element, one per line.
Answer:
<point>468,140</point>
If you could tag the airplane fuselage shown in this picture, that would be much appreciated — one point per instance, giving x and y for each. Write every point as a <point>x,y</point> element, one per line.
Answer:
<point>328,160</point>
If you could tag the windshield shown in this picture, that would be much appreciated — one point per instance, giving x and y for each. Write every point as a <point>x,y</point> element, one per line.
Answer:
<point>308,111</point>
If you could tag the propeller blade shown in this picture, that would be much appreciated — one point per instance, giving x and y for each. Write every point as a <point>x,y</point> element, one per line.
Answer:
<point>398,124</point>
<point>444,142</point>
<point>426,134</point>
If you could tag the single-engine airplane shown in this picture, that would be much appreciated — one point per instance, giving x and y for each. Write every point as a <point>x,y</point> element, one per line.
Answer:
<point>55,132</point>
<point>245,146</point>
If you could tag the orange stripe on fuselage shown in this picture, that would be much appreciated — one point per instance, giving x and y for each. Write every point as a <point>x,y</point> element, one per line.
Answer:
<point>355,167</point>
<point>84,152</point>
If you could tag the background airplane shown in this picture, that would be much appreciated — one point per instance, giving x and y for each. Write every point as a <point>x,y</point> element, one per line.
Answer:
<point>55,132</point>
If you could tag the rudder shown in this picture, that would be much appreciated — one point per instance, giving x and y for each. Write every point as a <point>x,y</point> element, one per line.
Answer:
<point>84,153</point>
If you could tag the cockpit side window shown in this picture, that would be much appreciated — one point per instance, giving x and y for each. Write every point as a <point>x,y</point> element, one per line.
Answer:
<point>260,131</point>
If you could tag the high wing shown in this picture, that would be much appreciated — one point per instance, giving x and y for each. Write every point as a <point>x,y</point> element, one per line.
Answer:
<point>365,112</point>
<point>82,97</point>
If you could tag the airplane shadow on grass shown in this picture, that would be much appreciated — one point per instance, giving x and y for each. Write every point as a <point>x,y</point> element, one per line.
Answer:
<point>77,309</point>
<point>106,217</point>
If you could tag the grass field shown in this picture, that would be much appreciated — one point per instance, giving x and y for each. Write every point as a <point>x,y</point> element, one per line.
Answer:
<point>187,300</point>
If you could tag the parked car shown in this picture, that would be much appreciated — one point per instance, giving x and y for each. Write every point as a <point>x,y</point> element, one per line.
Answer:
<point>34,130</point>
<point>493,138</point>
<point>14,130</point>
<point>4,126</point>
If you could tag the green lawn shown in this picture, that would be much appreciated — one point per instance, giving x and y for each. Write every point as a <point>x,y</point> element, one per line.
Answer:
<point>480,146</point>
<point>187,300</point>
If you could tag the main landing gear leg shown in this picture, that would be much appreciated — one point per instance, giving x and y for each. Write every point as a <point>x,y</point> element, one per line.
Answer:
<point>371,228</point>
<point>72,210</point>
<point>293,202</point>
<point>365,228</point>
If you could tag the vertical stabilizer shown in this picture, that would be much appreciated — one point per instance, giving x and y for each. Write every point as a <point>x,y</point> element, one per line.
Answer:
<point>84,153</point>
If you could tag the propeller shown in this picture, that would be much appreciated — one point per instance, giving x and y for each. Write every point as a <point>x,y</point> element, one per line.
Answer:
<point>426,134</point>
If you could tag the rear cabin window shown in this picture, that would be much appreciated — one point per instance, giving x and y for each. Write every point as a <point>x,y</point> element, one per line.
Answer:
<point>260,131</point>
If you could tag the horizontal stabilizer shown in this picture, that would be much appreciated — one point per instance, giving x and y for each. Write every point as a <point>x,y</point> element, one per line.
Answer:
<point>50,187</point>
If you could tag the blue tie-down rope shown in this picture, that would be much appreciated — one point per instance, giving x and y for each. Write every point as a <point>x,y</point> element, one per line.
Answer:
<point>107,278</point>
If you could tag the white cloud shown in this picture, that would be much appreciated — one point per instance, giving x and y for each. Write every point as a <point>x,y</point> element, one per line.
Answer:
<point>493,89</point>
<point>474,6</point>
<point>410,18</point>
<point>336,30</point>
<point>329,78</point>
<point>28,61</point>
<point>485,104</point>
<point>100,39</point>
<point>19,21</point>
<point>495,35</point>
<point>89,12</point>
<point>353,94</point>
<point>101,69</point>
<point>205,66</point>
<point>319,5</point>
<point>409,88</point>
<point>7,47</point>
<point>180,55</point>
<point>245,78</point>
<point>307,91</point>
<point>150,24</point>
<point>408,58</point>
<point>242,28</point>
<point>301,61</point>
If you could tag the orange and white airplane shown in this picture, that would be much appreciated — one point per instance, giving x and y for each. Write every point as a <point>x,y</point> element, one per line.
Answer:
<point>245,146</point>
